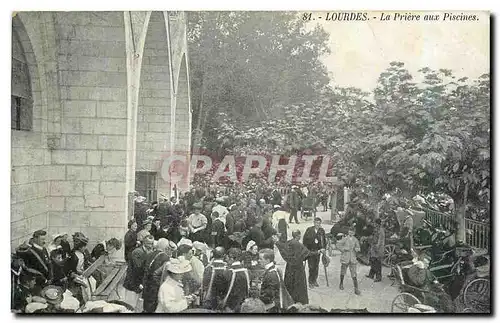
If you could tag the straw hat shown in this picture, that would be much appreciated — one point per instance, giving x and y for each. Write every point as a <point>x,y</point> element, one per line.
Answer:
<point>162,244</point>
<point>177,266</point>
<point>185,241</point>
<point>53,294</point>
<point>200,246</point>
<point>250,244</point>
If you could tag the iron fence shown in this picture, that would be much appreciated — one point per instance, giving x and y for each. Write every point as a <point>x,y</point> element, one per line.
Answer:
<point>477,233</point>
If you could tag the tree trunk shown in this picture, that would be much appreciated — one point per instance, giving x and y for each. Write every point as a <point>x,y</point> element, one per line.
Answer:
<point>199,132</point>
<point>460,216</point>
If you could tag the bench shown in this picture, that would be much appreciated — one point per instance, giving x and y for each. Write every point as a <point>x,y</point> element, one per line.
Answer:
<point>115,273</point>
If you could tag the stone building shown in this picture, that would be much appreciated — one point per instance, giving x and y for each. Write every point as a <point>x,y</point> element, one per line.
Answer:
<point>98,100</point>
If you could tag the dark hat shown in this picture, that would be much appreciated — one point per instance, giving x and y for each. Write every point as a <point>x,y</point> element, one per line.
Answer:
<point>39,233</point>
<point>78,236</point>
<point>53,294</point>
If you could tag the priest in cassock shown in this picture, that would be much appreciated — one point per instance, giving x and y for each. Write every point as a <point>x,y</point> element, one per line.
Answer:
<point>295,253</point>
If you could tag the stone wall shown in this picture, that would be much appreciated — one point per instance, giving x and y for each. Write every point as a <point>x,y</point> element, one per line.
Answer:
<point>70,172</point>
<point>31,168</point>
<point>154,107</point>
<point>93,83</point>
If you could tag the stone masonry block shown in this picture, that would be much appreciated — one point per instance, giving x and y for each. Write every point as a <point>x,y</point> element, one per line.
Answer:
<point>27,156</point>
<point>108,173</point>
<point>49,172</point>
<point>90,188</point>
<point>19,228</point>
<point>110,126</point>
<point>105,219</point>
<point>55,203</point>
<point>81,141</point>
<point>79,108</point>
<point>28,208</point>
<point>112,110</point>
<point>78,173</point>
<point>66,188</point>
<point>58,219</point>
<point>79,219</point>
<point>94,157</point>
<point>114,203</point>
<point>69,157</point>
<point>37,222</point>
<point>94,201</point>
<point>114,158</point>
<point>74,204</point>
<point>112,189</point>
<point>158,127</point>
<point>29,191</point>
<point>112,142</point>
<point>21,174</point>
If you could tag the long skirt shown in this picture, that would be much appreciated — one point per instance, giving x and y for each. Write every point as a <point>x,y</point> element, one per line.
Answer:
<point>282,229</point>
<point>296,283</point>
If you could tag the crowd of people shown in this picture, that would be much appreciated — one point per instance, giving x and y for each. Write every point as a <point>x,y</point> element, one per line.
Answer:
<point>220,245</point>
<point>211,248</point>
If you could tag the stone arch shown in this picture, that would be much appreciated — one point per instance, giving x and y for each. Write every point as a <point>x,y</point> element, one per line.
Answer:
<point>38,35</point>
<point>154,108</point>
<point>182,138</point>
<point>22,50</point>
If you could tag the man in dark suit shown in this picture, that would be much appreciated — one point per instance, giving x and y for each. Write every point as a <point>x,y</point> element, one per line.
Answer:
<point>273,293</point>
<point>133,282</point>
<point>314,240</point>
<point>237,280</point>
<point>217,232</point>
<point>213,285</point>
<point>36,256</point>
<point>294,202</point>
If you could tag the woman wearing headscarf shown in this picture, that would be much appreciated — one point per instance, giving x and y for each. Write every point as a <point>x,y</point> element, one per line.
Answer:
<point>251,255</point>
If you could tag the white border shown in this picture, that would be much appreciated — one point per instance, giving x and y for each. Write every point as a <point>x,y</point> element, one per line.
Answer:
<point>100,5</point>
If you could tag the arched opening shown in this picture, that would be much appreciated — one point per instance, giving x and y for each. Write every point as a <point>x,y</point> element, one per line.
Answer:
<point>21,92</point>
<point>154,110</point>
<point>183,113</point>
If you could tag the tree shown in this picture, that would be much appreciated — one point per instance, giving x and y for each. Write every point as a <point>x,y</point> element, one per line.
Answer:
<point>244,64</point>
<point>414,138</point>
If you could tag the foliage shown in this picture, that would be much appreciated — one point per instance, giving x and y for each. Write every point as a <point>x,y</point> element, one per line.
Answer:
<point>244,64</point>
<point>413,138</point>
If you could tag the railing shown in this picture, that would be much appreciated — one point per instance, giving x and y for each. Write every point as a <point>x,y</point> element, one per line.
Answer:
<point>478,233</point>
<point>438,219</point>
<point>479,236</point>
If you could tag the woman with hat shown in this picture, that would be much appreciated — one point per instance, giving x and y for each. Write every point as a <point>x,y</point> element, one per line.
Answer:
<point>171,298</point>
<point>146,228</point>
<point>56,242</point>
<point>76,265</point>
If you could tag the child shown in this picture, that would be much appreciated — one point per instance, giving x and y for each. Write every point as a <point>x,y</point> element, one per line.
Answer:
<point>349,246</point>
